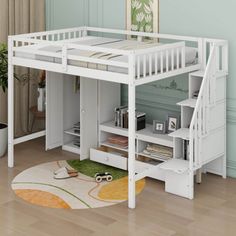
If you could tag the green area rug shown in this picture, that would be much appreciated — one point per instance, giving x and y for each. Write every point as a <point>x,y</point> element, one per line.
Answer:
<point>90,168</point>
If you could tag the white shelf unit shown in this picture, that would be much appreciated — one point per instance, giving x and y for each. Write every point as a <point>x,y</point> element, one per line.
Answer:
<point>144,134</point>
<point>111,154</point>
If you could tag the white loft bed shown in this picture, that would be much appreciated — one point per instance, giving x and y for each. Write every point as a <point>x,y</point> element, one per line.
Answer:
<point>136,62</point>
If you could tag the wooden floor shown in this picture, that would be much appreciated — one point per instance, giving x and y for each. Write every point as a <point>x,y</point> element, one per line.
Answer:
<point>213,212</point>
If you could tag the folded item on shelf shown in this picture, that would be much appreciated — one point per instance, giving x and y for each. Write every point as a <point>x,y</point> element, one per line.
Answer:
<point>118,140</point>
<point>158,150</point>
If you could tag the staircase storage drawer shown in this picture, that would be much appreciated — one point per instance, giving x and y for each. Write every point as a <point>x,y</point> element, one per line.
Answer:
<point>178,184</point>
<point>141,166</point>
<point>157,173</point>
<point>104,156</point>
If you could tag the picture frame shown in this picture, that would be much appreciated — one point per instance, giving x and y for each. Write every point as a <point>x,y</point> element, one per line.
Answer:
<point>142,15</point>
<point>159,127</point>
<point>173,122</point>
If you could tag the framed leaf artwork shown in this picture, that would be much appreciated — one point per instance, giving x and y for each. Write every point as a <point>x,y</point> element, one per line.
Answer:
<point>143,15</point>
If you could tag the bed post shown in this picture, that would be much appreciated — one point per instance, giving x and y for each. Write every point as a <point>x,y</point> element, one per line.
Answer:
<point>10,104</point>
<point>202,53</point>
<point>131,131</point>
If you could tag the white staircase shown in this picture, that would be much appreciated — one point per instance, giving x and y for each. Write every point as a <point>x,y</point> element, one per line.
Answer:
<point>200,133</point>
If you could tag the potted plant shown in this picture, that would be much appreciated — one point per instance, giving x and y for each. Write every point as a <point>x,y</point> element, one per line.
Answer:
<point>3,84</point>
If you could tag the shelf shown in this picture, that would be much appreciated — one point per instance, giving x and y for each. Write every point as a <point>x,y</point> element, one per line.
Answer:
<point>180,133</point>
<point>154,157</point>
<point>111,128</point>
<point>110,145</point>
<point>72,132</point>
<point>70,147</point>
<point>191,102</point>
<point>177,165</point>
<point>146,134</point>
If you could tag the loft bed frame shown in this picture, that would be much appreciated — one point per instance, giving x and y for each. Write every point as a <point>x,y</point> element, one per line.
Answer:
<point>143,66</point>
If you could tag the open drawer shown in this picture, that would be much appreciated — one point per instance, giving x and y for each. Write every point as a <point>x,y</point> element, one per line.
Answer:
<point>144,163</point>
<point>110,157</point>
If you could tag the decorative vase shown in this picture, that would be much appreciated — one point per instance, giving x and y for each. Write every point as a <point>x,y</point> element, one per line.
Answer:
<point>41,99</point>
<point>3,139</point>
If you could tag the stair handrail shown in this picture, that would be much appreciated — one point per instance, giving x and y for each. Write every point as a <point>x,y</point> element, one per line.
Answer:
<point>199,125</point>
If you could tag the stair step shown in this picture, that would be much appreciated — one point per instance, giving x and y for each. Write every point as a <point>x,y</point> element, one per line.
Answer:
<point>191,102</point>
<point>199,73</point>
<point>177,165</point>
<point>180,133</point>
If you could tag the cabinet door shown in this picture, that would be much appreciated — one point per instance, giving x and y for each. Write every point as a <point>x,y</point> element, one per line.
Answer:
<point>88,116</point>
<point>54,110</point>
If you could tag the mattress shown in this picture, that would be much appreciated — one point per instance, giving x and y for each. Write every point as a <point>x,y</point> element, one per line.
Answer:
<point>26,52</point>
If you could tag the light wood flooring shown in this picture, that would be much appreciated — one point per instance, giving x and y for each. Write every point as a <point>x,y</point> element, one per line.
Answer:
<point>213,212</point>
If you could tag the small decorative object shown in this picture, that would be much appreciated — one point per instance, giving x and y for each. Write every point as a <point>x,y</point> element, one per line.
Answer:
<point>195,94</point>
<point>3,139</point>
<point>99,177</point>
<point>41,92</point>
<point>143,15</point>
<point>159,127</point>
<point>172,123</point>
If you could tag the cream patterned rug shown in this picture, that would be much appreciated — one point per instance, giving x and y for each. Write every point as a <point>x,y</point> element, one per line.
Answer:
<point>36,185</point>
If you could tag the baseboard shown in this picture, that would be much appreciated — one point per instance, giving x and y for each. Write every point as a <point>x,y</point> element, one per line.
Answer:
<point>231,168</point>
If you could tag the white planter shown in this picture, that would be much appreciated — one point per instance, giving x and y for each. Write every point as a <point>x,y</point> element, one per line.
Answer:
<point>41,99</point>
<point>3,139</point>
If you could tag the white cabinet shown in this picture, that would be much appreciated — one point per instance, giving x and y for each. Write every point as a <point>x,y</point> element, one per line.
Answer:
<point>68,104</point>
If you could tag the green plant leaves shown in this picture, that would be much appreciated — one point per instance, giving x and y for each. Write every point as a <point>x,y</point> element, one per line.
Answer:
<point>3,67</point>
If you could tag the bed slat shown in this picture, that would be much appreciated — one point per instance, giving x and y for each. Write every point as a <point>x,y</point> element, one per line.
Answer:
<point>138,67</point>
<point>156,63</point>
<point>172,60</point>
<point>161,61</point>
<point>177,58</point>
<point>144,65</point>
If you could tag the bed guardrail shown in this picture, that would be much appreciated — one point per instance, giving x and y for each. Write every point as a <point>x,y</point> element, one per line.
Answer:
<point>160,59</point>
<point>55,35</point>
<point>154,63</point>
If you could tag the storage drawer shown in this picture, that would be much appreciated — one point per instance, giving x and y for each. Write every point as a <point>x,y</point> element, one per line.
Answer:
<point>107,158</point>
<point>141,166</point>
<point>157,173</point>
